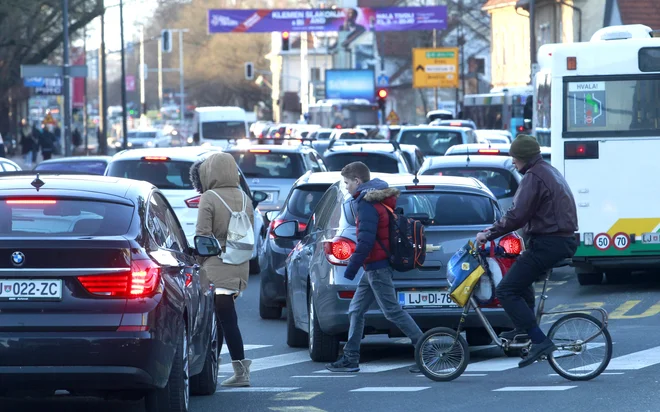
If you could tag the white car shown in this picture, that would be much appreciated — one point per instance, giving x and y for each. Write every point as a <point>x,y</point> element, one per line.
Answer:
<point>7,165</point>
<point>169,170</point>
<point>148,138</point>
<point>493,136</point>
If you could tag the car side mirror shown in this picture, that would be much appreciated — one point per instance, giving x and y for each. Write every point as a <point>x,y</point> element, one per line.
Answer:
<point>271,215</point>
<point>287,230</point>
<point>207,246</point>
<point>259,196</point>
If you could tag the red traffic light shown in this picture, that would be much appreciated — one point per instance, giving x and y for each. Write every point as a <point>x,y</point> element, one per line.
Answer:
<point>285,34</point>
<point>382,93</point>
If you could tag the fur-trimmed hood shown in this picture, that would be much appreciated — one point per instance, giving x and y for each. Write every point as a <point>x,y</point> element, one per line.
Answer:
<point>381,195</point>
<point>218,170</point>
<point>375,190</point>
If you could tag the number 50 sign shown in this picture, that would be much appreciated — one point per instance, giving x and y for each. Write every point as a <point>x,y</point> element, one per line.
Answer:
<point>620,241</point>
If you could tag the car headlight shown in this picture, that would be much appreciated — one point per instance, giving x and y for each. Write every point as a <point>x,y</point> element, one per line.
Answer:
<point>150,144</point>
<point>190,140</point>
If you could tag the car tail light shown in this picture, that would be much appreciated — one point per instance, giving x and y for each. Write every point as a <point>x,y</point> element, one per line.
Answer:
<point>423,187</point>
<point>143,280</point>
<point>521,128</point>
<point>339,250</point>
<point>156,158</point>
<point>259,151</point>
<point>488,151</point>
<point>302,226</point>
<point>193,202</point>
<point>346,294</point>
<point>455,123</point>
<point>512,244</point>
<point>30,202</point>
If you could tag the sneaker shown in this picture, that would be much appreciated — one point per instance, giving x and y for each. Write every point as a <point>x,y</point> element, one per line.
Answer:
<point>538,350</point>
<point>511,335</point>
<point>414,369</point>
<point>343,365</point>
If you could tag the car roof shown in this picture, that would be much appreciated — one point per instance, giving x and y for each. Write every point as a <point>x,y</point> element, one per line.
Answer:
<point>318,178</point>
<point>271,148</point>
<point>362,148</point>
<point>504,162</point>
<point>431,128</point>
<point>474,147</point>
<point>190,153</point>
<point>75,159</point>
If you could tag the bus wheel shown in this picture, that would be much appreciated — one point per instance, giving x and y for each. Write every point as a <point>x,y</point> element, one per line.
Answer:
<point>590,278</point>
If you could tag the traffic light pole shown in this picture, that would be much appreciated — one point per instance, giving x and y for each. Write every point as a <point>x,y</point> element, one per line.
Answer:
<point>124,121</point>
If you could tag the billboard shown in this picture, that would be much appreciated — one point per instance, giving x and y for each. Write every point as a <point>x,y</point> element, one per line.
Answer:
<point>358,19</point>
<point>350,84</point>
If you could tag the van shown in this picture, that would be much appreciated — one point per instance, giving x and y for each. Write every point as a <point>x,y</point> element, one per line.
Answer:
<point>217,125</point>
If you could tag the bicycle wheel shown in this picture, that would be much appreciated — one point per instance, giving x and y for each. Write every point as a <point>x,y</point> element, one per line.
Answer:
<point>573,359</point>
<point>440,356</point>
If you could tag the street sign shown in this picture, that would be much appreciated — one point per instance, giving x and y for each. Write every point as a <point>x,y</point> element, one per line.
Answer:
<point>383,81</point>
<point>435,68</point>
<point>45,70</point>
<point>393,118</point>
<point>130,83</point>
<point>51,86</point>
<point>33,82</point>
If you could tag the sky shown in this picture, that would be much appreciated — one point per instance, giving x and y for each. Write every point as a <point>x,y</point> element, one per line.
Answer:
<point>135,12</point>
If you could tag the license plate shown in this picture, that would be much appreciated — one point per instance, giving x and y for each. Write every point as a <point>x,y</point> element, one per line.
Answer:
<point>426,298</point>
<point>30,289</point>
<point>651,238</point>
<point>271,197</point>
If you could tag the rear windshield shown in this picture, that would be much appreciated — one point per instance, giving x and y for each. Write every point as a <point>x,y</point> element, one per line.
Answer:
<point>431,143</point>
<point>270,165</point>
<point>322,135</point>
<point>54,217</point>
<point>376,163</point>
<point>91,167</point>
<point>303,200</point>
<point>223,130</point>
<point>162,174</point>
<point>352,135</point>
<point>501,182</point>
<point>141,135</point>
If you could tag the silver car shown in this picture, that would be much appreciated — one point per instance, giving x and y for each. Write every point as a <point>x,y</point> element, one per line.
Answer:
<point>452,209</point>
<point>435,140</point>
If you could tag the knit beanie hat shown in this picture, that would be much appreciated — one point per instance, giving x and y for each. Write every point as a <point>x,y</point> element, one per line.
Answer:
<point>524,147</point>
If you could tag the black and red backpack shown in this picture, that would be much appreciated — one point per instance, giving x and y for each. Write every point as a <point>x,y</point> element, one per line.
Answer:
<point>407,247</point>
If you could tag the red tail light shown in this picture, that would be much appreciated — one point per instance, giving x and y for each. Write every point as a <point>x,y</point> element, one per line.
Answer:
<point>420,187</point>
<point>193,202</point>
<point>512,244</point>
<point>488,151</point>
<point>156,158</point>
<point>143,280</point>
<point>30,202</point>
<point>521,128</point>
<point>346,294</point>
<point>339,250</point>
<point>302,226</point>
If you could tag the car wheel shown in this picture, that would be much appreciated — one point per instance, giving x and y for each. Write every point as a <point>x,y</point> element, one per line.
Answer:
<point>175,396</point>
<point>322,347</point>
<point>269,312</point>
<point>477,337</point>
<point>590,278</point>
<point>206,382</point>
<point>295,337</point>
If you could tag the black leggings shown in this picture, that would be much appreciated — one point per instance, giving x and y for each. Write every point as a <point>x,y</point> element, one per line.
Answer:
<point>228,326</point>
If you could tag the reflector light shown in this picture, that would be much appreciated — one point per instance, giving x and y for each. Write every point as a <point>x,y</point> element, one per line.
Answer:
<point>512,244</point>
<point>346,294</point>
<point>31,202</point>
<point>571,63</point>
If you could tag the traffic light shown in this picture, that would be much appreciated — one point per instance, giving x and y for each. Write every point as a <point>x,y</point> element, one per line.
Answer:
<point>249,71</point>
<point>285,41</point>
<point>166,41</point>
<point>382,98</point>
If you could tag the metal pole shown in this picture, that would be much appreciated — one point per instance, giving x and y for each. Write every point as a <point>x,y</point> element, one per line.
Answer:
<point>67,98</point>
<point>160,72</point>
<point>103,103</point>
<point>532,33</point>
<point>143,104</point>
<point>181,75</point>
<point>435,44</point>
<point>304,75</point>
<point>85,92</point>
<point>461,51</point>
<point>124,123</point>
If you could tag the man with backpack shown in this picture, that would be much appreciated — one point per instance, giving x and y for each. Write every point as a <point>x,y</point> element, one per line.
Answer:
<point>371,200</point>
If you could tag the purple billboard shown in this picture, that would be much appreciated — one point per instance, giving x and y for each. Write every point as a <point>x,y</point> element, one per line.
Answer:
<point>348,19</point>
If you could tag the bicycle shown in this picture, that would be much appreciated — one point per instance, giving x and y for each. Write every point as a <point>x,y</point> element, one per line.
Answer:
<point>432,357</point>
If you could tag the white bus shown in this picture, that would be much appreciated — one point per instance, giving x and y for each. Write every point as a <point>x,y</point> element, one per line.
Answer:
<point>501,109</point>
<point>217,125</point>
<point>343,113</point>
<point>606,142</point>
<point>541,119</point>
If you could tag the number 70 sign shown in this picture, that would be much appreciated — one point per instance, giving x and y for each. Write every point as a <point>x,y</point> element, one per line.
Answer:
<point>620,241</point>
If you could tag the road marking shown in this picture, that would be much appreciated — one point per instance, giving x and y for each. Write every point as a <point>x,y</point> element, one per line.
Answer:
<point>604,373</point>
<point>634,361</point>
<point>296,409</point>
<point>620,312</point>
<point>334,375</point>
<point>378,366</point>
<point>391,389</point>
<point>257,389</point>
<point>533,388</point>
<point>296,396</point>
<point>463,375</point>
<point>225,351</point>
<point>271,362</point>
<point>493,365</point>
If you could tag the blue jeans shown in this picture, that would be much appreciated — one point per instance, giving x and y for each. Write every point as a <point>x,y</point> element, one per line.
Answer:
<point>376,285</point>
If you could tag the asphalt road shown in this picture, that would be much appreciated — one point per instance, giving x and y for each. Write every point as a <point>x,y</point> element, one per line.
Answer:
<point>284,379</point>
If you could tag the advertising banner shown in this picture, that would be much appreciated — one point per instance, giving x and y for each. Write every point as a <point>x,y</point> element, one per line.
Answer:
<point>350,84</point>
<point>327,20</point>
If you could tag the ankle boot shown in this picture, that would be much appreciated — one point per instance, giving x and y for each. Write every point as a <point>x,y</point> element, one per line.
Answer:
<point>241,374</point>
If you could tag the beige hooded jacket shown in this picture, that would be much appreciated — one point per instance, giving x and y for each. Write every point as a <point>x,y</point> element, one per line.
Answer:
<point>219,173</point>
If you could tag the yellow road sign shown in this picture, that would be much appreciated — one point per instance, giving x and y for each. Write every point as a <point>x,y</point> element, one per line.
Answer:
<point>49,119</point>
<point>435,68</point>
<point>393,118</point>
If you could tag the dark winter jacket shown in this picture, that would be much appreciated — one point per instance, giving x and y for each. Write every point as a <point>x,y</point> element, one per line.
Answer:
<point>372,226</point>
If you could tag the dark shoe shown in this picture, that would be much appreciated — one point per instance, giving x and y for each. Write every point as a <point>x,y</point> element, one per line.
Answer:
<point>414,369</point>
<point>541,349</point>
<point>343,365</point>
<point>516,334</point>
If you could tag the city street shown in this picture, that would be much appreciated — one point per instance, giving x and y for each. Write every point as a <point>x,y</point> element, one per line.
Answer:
<point>284,379</point>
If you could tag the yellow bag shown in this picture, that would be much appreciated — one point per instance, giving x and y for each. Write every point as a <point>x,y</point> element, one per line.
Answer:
<point>463,274</point>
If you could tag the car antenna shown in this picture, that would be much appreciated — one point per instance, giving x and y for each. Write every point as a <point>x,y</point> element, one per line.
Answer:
<point>467,150</point>
<point>416,180</point>
<point>37,183</point>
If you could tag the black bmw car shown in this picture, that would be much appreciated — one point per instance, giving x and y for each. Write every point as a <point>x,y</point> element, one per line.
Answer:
<point>100,294</point>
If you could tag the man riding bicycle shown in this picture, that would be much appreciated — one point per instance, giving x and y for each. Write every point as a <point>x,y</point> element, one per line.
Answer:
<point>545,207</point>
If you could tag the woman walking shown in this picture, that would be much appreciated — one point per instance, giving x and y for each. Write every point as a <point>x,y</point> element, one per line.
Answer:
<point>217,179</point>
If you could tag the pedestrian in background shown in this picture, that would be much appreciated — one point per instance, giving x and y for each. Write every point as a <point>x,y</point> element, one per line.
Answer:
<point>219,174</point>
<point>27,144</point>
<point>47,142</point>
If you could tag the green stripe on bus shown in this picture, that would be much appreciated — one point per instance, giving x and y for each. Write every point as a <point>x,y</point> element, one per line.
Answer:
<point>635,249</point>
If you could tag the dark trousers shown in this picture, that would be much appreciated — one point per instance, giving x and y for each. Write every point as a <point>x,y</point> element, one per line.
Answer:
<point>516,290</point>
<point>46,155</point>
<point>225,310</point>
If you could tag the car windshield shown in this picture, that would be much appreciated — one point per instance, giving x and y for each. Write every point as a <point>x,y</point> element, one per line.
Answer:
<point>223,130</point>
<point>322,135</point>
<point>141,135</point>
<point>501,182</point>
<point>303,200</point>
<point>57,217</point>
<point>377,163</point>
<point>92,167</point>
<point>267,164</point>
<point>431,142</point>
<point>162,174</point>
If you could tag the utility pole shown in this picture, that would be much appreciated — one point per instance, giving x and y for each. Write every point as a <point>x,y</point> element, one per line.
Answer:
<point>160,72</point>
<point>103,122</point>
<point>181,76</point>
<point>124,123</point>
<point>86,140</point>
<point>435,44</point>
<point>66,129</point>
<point>532,39</point>
<point>143,72</point>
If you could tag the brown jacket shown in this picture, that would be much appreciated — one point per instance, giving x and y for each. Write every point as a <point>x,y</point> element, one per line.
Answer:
<point>543,204</point>
<point>219,173</point>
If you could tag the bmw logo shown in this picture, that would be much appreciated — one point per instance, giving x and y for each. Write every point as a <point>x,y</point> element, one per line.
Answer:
<point>18,258</point>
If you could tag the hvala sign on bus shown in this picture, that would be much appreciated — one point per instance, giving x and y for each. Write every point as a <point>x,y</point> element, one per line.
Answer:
<point>586,86</point>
